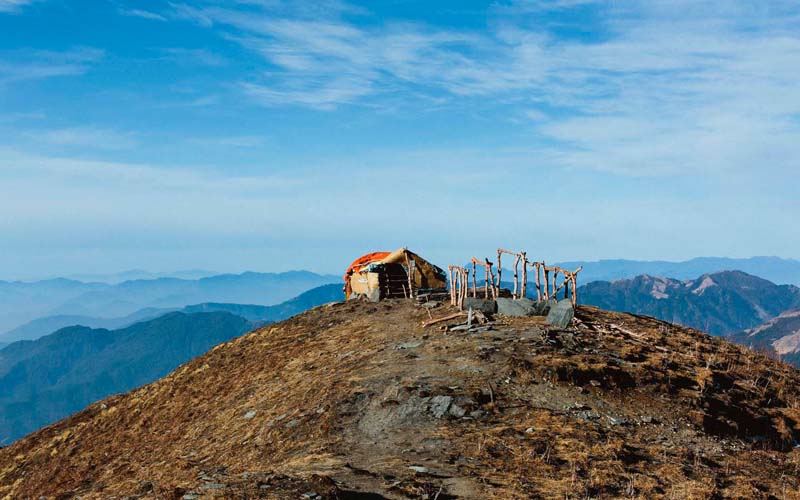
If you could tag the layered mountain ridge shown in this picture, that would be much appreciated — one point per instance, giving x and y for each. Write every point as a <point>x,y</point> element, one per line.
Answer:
<point>718,303</point>
<point>47,379</point>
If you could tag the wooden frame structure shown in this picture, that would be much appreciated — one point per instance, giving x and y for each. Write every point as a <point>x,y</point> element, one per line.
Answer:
<point>489,278</point>
<point>518,258</point>
<point>459,285</point>
<point>546,288</point>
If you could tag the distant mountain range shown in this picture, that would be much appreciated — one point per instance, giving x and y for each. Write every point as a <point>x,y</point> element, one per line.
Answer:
<point>49,324</point>
<point>44,380</point>
<point>717,303</point>
<point>22,302</point>
<point>139,274</point>
<point>779,337</point>
<point>775,269</point>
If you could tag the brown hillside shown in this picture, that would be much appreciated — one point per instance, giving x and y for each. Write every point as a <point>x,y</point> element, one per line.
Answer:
<point>359,401</point>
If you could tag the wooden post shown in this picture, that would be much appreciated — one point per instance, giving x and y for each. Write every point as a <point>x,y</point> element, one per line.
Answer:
<point>574,290</point>
<point>524,274</point>
<point>410,275</point>
<point>486,281</point>
<point>465,273</point>
<point>450,270</point>
<point>516,278</point>
<point>537,270</point>
<point>555,279</point>
<point>499,268</point>
<point>474,283</point>
<point>546,283</point>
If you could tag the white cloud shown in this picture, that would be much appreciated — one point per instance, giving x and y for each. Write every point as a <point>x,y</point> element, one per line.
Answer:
<point>144,14</point>
<point>85,137</point>
<point>238,141</point>
<point>13,6</point>
<point>666,88</point>
<point>26,65</point>
<point>193,56</point>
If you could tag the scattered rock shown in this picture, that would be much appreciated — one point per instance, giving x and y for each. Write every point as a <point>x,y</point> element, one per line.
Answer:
<point>561,314</point>
<point>518,307</point>
<point>250,414</point>
<point>542,307</point>
<point>146,487</point>
<point>431,304</point>
<point>483,305</point>
<point>439,405</point>
<point>457,411</point>
<point>213,486</point>
<point>616,421</point>
<point>419,469</point>
<point>408,345</point>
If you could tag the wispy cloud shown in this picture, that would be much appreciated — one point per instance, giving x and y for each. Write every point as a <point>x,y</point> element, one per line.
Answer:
<point>85,138</point>
<point>193,56</point>
<point>671,87</point>
<point>237,141</point>
<point>144,14</point>
<point>13,6</point>
<point>25,65</point>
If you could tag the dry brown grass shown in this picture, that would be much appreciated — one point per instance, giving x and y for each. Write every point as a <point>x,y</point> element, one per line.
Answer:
<point>621,407</point>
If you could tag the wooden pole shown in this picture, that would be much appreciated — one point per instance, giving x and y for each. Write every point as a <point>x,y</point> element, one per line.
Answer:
<point>452,285</point>
<point>474,283</point>
<point>537,270</point>
<point>486,281</point>
<point>410,275</point>
<point>555,279</point>
<point>546,283</point>
<point>516,277</point>
<point>465,288</point>
<point>524,274</point>
<point>574,290</point>
<point>499,267</point>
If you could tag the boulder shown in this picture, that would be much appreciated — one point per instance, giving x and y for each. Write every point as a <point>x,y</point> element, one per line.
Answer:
<point>542,307</point>
<point>561,314</point>
<point>483,305</point>
<point>519,307</point>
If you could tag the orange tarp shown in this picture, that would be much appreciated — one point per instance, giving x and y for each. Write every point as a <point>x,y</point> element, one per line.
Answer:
<point>363,261</point>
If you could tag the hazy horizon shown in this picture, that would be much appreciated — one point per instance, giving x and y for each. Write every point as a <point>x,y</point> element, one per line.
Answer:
<point>186,273</point>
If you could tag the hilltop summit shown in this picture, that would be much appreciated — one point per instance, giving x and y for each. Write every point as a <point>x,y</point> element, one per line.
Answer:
<point>360,401</point>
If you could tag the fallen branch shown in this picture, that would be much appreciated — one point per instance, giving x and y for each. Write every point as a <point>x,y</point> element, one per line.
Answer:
<point>428,323</point>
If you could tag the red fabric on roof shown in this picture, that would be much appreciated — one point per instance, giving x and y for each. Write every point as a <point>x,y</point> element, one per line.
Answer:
<point>363,261</point>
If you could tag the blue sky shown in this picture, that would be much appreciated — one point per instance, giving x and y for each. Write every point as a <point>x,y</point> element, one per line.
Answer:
<point>271,135</point>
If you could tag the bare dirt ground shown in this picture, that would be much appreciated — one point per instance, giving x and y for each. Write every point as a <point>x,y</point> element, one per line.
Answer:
<point>360,401</point>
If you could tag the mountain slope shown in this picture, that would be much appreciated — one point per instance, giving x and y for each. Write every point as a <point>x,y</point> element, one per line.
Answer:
<point>360,401</point>
<point>58,374</point>
<point>718,303</point>
<point>779,337</point>
<point>306,300</point>
<point>44,326</point>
